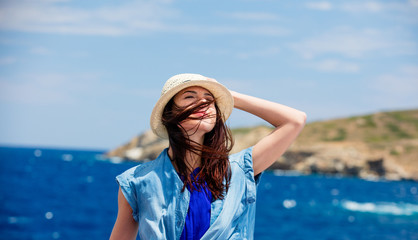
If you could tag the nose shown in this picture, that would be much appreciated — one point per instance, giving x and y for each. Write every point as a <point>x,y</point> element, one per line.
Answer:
<point>205,102</point>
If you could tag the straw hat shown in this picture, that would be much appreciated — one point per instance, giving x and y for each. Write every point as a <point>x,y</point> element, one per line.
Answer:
<point>175,84</point>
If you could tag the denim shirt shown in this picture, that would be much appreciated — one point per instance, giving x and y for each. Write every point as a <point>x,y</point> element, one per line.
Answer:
<point>153,190</point>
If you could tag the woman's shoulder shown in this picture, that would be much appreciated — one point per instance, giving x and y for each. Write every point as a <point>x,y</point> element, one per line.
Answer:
<point>243,160</point>
<point>242,156</point>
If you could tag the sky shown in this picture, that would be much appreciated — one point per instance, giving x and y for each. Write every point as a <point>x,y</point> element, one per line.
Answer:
<point>86,74</point>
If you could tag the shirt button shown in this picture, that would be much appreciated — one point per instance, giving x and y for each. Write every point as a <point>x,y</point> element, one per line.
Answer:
<point>251,200</point>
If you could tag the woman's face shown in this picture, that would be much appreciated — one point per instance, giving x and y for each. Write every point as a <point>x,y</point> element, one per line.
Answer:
<point>205,118</point>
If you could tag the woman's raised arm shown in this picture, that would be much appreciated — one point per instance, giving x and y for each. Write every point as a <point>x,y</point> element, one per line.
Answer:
<point>289,123</point>
<point>126,228</point>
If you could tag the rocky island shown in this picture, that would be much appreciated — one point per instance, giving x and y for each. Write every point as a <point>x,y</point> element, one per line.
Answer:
<point>375,146</point>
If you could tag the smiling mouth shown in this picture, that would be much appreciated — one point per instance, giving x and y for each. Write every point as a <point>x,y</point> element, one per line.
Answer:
<point>200,114</point>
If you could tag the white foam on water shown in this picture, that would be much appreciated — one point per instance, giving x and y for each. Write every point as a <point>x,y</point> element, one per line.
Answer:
<point>100,157</point>
<point>291,173</point>
<point>49,215</point>
<point>289,203</point>
<point>115,160</point>
<point>388,208</point>
<point>37,153</point>
<point>267,185</point>
<point>335,192</point>
<point>56,235</point>
<point>413,190</point>
<point>67,157</point>
<point>18,220</point>
<point>13,220</point>
<point>89,179</point>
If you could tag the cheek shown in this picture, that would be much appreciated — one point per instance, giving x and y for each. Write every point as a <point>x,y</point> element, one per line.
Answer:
<point>187,125</point>
<point>212,116</point>
<point>214,113</point>
<point>210,122</point>
<point>212,108</point>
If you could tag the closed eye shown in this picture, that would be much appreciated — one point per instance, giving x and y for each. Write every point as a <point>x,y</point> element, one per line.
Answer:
<point>209,98</point>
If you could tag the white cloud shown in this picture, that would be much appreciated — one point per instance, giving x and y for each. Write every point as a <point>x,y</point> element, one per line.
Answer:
<point>239,85</point>
<point>266,52</point>
<point>48,17</point>
<point>256,53</point>
<point>205,50</point>
<point>266,30</point>
<point>228,29</point>
<point>35,90</point>
<point>396,12</point>
<point>355,43</point>
<point>7,60</point>
<point>129,18</point>
<point>323,6</point>
<point>334,65</point>
<point>413,3</point>
<point>399,87</point>
<point>61,89</point>
<point>398,84</point>
<point>364,6</point>
<point>253,16</point>
<point>410,70</point>
<point>40,51</point>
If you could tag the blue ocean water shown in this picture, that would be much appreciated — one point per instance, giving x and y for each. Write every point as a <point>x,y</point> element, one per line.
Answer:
<point>69,194</point>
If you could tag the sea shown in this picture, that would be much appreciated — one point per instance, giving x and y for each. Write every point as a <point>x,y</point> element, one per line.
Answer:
<point>72,194</point>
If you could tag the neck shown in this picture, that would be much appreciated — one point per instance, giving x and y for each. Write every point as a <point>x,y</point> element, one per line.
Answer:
<point>192,160</point>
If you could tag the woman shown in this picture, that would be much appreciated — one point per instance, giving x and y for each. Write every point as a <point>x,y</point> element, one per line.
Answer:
<point>193,190</point>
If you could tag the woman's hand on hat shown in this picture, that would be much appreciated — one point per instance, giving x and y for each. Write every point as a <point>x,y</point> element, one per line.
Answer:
<point>288,122</point>
<point>236,98</point>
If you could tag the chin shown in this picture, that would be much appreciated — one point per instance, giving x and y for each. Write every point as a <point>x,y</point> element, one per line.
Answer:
<point>206,129</point>
<point>207,124</point>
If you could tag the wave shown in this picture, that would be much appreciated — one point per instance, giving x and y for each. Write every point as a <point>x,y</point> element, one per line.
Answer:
<point>291,173</point>
<point>389,208</point>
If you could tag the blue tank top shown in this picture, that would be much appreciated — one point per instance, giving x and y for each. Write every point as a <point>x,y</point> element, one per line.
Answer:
<point>197,221</point>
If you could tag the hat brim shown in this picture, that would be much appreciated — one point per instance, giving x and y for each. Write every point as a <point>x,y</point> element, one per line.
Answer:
<point>223,98</point>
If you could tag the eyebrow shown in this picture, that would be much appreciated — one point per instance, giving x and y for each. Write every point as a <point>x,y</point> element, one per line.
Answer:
<point>194,92</point>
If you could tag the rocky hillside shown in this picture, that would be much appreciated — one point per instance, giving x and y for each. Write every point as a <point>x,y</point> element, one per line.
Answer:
<point>372,146</point>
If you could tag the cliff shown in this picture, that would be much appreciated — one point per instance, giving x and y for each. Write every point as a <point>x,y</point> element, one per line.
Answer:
<point>380,145</point>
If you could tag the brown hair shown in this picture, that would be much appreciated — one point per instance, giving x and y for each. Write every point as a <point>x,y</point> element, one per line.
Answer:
<point>214,152</point>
